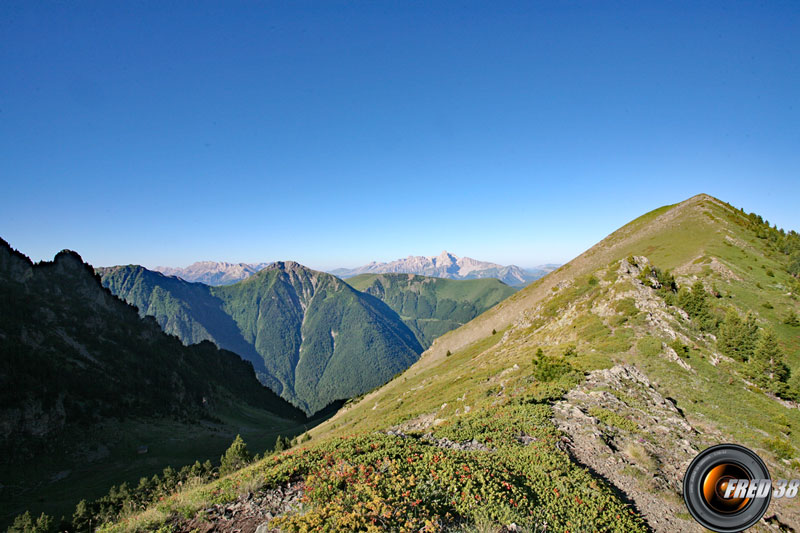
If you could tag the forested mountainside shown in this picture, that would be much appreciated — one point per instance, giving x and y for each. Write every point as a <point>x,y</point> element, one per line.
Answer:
<point>79,365</point>
<point>305,331</point>
<point>433,306</point>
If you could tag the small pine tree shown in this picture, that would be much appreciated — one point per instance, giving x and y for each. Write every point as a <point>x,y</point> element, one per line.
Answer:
<point>25,523</point>
<point>235,458</point>
<point>767,366</point>
<point>729,339</point>
<point>791,319</point>
<point>695,303</point>
<point>82,517</point>
<point>737,338</point>
<point>282,443</point>
<point>196,470</point>
<point>549,368</point>
<point>793,386</point>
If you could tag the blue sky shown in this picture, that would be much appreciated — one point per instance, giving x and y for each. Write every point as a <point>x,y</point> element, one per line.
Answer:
<point>335,133</point>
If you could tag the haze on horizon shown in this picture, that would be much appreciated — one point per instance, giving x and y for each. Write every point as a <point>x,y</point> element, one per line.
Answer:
<point>339,133</point>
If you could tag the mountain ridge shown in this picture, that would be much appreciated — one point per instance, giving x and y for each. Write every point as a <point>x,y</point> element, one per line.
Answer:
<point>288,320</point>
<point>432,306</point>
<point>85,380</point>
<point>447,265</point>
<point>696,239</point>
<point>213,272</point>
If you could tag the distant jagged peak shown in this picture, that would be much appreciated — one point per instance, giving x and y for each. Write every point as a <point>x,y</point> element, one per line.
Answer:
<point>446,258</point>
<point>214,272</point>
<point>447,265</point>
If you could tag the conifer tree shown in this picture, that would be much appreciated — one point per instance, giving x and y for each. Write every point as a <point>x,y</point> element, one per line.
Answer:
<point>282,443</point>
<point>25,523</point>
<point>695,303</point>
<point>749,335</point>
<point>82,517</point>
<point>767,366</point>
<point>235,458</point>
<point>729,339</point>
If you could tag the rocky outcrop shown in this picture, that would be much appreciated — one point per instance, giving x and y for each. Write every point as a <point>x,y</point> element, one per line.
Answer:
<point>250,513</point>
<point>618,425</point>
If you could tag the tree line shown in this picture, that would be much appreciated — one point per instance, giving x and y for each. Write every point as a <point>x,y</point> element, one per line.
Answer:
<point>125,498</point>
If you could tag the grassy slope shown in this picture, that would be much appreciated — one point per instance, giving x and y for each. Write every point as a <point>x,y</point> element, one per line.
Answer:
<point>433,306</point>
<point>170,443</point>
<point>490,374</point>
<point>671,237</point>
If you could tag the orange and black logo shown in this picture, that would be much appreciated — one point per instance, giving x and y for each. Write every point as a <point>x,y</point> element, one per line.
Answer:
<point>727,488</point>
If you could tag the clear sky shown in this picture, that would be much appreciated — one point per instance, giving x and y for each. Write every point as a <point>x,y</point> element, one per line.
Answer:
<point>339,132</point>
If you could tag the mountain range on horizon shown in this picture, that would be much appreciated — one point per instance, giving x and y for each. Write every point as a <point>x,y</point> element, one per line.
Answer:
<point>214,272</point>
<point>447,265</point>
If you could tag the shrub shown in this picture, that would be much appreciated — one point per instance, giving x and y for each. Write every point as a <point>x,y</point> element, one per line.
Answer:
<point>610,418</point>
<point>781,448</point>
<point>681,349</point>
<point>549,368</point>
<point>649,346</point>
<point>626,306</point>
